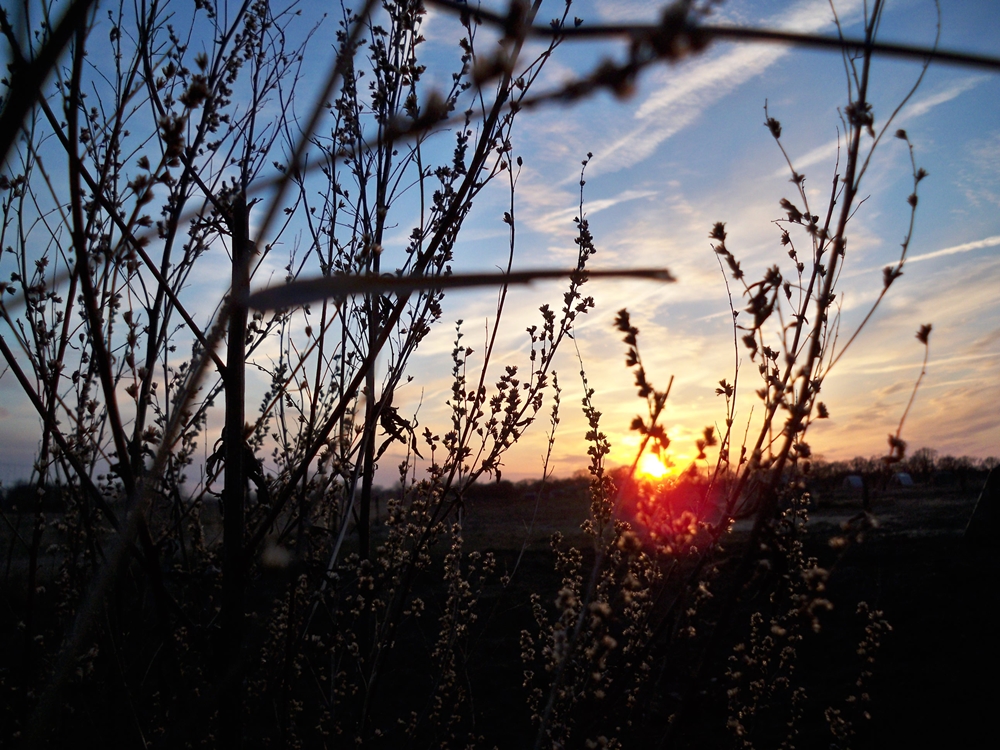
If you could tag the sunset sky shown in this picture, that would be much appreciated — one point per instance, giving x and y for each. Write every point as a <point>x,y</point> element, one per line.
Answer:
<point>688,149</point>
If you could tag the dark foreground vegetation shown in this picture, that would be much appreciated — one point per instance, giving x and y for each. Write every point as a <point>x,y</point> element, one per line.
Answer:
<point>912,561</point>
<point>917,566</point>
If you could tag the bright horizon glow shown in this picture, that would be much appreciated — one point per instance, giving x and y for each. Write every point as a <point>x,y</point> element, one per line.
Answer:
<point>650,465</point>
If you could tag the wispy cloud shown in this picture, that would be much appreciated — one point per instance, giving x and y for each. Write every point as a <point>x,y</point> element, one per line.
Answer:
<point>931,363</point>
<point>965,247</point>
<point>683,94</point>
<point>629,10</point>
<point>828,150</point>
<point>955,249</point>
<point>559,220</point>
<point>925,105</point>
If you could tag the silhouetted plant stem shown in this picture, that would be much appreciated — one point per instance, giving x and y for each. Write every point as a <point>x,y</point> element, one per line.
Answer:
<point>805,393</point>
<point>233,560</point>
<point>95,321</point>
<point>671,27</point>
<point>29,76</point>
<point>920,379</point>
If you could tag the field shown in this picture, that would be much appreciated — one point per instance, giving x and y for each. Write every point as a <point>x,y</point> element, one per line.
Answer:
<point>932,683</point>
<point>931,676</point>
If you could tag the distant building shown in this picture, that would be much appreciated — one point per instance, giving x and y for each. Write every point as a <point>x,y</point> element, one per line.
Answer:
<point>854,483</point>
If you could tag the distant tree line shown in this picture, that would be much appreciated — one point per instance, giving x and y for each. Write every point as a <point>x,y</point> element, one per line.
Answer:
<point>924,466</point>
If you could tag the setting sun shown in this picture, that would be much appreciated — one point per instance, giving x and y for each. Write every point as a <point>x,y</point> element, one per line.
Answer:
<point>650,465</point>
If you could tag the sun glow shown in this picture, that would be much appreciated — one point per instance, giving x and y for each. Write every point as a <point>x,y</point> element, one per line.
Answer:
<point>650,465</point>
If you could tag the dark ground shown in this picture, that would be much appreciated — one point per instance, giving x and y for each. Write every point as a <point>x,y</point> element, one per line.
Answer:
<point>934,677</point>
<point>935,682</point>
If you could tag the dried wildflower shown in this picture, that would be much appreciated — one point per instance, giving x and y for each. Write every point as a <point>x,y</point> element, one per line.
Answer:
<point>774,126</point>
<point>890,274</point>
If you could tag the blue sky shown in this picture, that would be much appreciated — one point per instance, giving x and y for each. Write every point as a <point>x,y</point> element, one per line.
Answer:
<point>687,149</point>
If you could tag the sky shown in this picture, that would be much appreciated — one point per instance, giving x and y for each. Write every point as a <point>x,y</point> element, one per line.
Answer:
<point>687,149</point>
